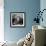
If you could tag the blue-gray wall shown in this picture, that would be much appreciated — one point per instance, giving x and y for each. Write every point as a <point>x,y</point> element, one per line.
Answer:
<point>28,6</point>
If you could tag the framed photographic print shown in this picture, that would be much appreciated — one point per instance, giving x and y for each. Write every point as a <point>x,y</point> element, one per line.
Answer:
<point>17,19</point>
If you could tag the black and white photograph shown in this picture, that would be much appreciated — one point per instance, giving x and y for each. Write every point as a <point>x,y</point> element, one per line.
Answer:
<point>17,19</point>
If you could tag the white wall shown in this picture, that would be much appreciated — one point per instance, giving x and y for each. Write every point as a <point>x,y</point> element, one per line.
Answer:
<point>1,20</point>
<point>43,6</point>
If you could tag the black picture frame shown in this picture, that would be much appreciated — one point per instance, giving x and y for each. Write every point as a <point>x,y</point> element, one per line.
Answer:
<point>17,19</point>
